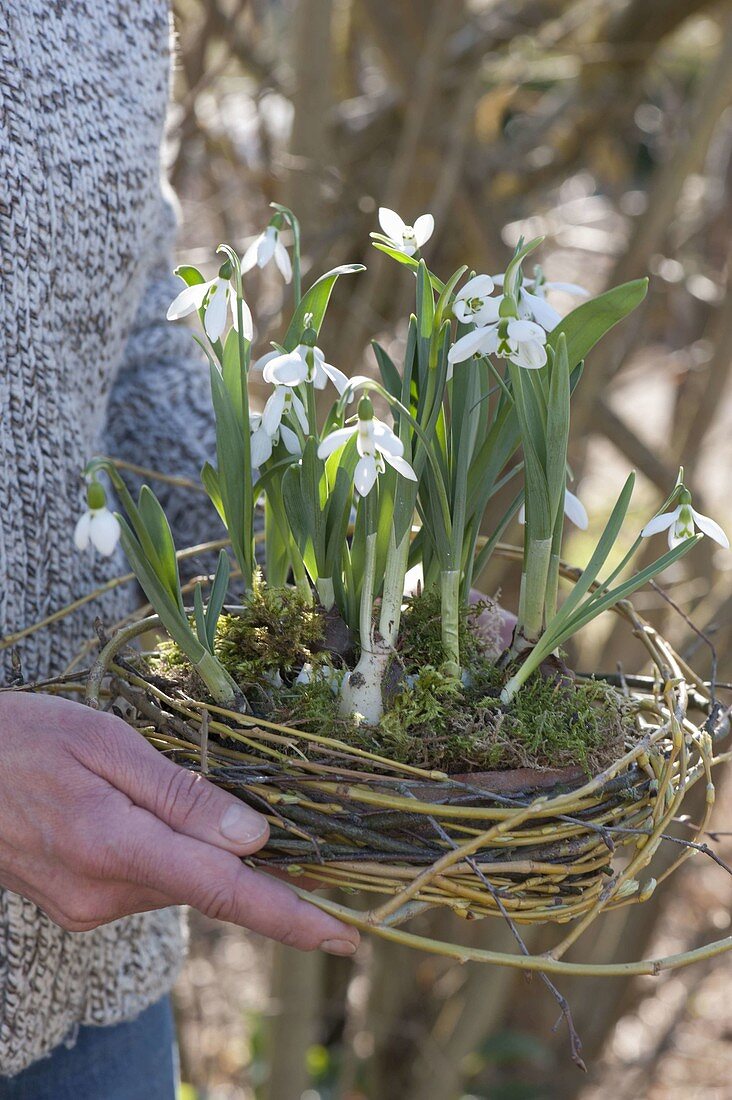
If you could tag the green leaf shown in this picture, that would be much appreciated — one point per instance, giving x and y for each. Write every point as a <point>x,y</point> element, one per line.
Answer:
<point>217,596</point>
<point>591,608</point>
<point>299,513</point>
<point>175,623</point>
<point>589,322</point>
<point>425,302</point>
<point>315,301</point>
<point>444,302</point>
<point>158,528</point>
<point>234,477</point>
<point>232,373</point>
<point>557,429</point>
<point>340,502</point>
<point>600,555</point>
<point>389,374</point>
<point>406,261</point>
<point>199,616</point>
<point>481,558</point>
<point>210,482</point>
<point>520,254</point>
<point>539,518</point>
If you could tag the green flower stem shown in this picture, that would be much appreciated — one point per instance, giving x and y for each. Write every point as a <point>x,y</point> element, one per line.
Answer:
<point>552,585</point>
<point>248,540</point>
<point>534,590</point>
<point>393,590</point>
<point>450,597</point>
<point>311,407</point>
<point>366,615</point>
<point>361,693</point>
<point>326,591</point>
<point>221,686</point>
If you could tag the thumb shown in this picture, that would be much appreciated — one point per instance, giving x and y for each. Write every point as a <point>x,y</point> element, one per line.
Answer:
<point>184,800</point>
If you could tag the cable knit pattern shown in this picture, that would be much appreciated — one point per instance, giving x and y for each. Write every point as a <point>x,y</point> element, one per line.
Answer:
<point>85,234</point>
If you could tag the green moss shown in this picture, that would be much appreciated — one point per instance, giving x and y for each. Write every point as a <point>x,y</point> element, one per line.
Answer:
<point>275,631</point>
<point>420,636</point>
<point>432,720</point>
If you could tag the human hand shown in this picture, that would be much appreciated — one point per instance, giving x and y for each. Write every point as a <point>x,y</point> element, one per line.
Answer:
<point>96,824</point>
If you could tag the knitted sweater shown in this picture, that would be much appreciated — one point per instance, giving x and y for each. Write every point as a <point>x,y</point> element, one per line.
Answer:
<point>88,365</point>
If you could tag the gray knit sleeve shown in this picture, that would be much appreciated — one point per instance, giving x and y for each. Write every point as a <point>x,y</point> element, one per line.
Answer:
<point>160,413</point>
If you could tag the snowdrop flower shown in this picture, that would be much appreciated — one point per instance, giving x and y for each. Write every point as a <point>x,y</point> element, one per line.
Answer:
<point>532,304</point>
<point>473,304</point>
<point>375,442</point>
<point>97,527</point>
<point>521,341</point>
<point>574,509</point>
<point>405,238</point>
<point>217,294</point>
<point>265,247</point>
<point>304,364</point>
<point>267,427</point>
<point>682,522</point>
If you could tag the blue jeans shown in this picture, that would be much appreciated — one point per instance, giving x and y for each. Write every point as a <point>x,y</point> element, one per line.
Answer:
<point>130,1061</point>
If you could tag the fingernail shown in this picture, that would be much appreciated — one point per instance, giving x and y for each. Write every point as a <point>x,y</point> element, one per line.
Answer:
<point>242,825</point>
<point>338,947</point>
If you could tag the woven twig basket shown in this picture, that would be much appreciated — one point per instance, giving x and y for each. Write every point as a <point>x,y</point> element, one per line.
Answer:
<point>533,847</point>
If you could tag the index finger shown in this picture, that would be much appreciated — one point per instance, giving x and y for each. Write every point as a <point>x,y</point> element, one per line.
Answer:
<point>217,883</point>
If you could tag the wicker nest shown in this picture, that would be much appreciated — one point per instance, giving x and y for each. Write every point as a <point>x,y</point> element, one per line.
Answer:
<point>533,847</point>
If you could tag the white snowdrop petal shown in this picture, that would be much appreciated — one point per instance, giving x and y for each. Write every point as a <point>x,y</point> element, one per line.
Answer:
<point>104,531</point>
<point>529,355</point>
<point>336,440</point>
<point>480,286</point>
<point>249,259</point>
<point>575,510</point>
<point>489,312</point>
<point>522,515</point>
<point>337,377</point>
<point>290,440</point>
<point>214,320</point>
<point>546,315</point>
<point>81,531</point>
<point>526,331</point>
<point>261,363</point>
<point>260,447</point>
<point>266,246</point>
<point>286,370</point>
<point>282,259</point>
<point>385,439</point>
<point>471,343</point>
<point>299,410</point>
<point>391,223</point>
<point>569,288</point>
<point>364,477</point>
<point>711,528</point>
<point>187,301</point>
<point>424,227</point>
<point>246,317</point>
<point>400,465</point>
<point>659,523</point>
<point>272,413</point>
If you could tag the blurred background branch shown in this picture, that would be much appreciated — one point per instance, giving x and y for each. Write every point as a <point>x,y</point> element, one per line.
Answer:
<point>606,126</point>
